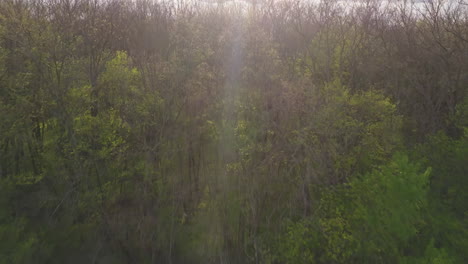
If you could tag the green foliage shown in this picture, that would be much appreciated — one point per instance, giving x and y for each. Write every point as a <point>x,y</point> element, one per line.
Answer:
<point>371,219</point>
<point>147,132</point>
<point>389,203</point>
<point>448,196</point>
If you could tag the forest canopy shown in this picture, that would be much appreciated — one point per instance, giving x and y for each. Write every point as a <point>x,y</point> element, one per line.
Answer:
<point>267,131</point>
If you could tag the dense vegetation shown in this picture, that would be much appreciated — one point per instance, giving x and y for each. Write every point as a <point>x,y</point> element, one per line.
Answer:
<point>276,132</point>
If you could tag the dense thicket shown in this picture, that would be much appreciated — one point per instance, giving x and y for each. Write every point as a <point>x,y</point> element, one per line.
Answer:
<point>274,132</point>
